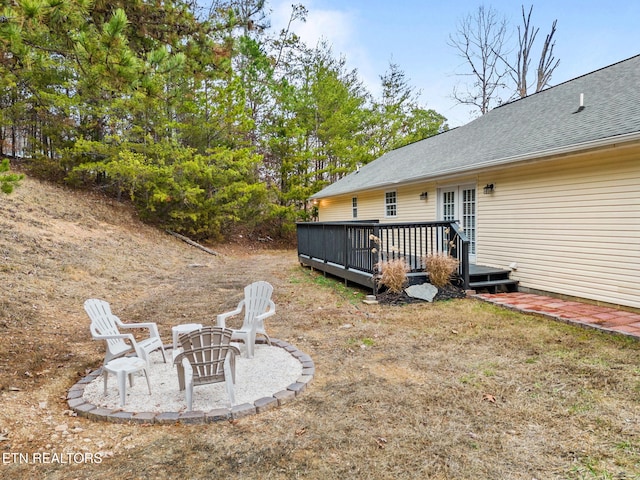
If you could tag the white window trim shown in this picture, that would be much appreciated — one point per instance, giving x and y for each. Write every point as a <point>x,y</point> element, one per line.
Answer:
<point>394,204</point>
<point>354,207</point>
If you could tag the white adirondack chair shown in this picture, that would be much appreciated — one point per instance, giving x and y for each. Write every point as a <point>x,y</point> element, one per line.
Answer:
<point>258,306</point>
<point>106,326</point>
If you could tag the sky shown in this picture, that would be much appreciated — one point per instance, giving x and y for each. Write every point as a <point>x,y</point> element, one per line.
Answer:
<point>414,35</point>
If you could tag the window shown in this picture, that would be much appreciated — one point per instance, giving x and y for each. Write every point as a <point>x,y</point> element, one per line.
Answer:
<point>354,207</point>
<point>469,217</point>
<point>391,204</point>
<point>449,206</point>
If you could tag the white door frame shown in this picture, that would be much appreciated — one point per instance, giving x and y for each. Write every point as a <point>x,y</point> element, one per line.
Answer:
<point>459,202</point>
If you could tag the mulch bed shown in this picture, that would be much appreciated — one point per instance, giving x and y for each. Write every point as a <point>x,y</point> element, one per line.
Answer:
<point>446,293</point>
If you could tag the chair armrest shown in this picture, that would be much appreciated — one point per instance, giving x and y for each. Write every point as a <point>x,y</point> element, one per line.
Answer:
<point>127,336</point>
<point>230,360</point>
<point>271,311</point>
<point>185,371</point>
<point>153,327</point>
<point>178,358</point>
<point>182,357</point>
<point>220,319</point>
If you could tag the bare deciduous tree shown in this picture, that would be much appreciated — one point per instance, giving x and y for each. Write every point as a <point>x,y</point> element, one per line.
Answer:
<point>480,43</point>
<point>519,70</point>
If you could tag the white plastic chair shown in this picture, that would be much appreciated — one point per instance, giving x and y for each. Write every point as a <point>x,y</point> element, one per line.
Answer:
<point>105,326</point>
<point>124,367</point>
<point>258,306</point>
<point>206,357</point>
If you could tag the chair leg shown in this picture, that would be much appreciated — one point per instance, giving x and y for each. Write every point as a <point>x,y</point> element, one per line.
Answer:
<point>251,342</point>
<point>189,395</point>
<point>229,376</point>
<point>229,384</point>
<point>122,386</point>
<point>185,373</point>
<point>230,364</point>
<point>146,375</point>
<point>164,356</point>
<point>180,370</point>
<point>105,374</point>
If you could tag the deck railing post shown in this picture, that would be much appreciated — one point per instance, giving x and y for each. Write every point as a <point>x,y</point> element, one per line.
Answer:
<point>347,249</point>
<point>374,252</point>
<point>465,263</point>
<point>324,243</point>
<point>460,243</point>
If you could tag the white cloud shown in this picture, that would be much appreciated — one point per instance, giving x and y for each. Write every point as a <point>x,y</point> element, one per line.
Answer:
<point>335,26</point>
<point>339,28</point>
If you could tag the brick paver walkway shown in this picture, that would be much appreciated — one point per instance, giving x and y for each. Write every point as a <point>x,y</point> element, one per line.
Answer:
<point>604,318</point>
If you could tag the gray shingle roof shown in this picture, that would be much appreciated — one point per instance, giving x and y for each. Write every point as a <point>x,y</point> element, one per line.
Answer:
<point>535,126</point>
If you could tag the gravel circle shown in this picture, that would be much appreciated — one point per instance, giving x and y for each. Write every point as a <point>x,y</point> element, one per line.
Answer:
<point>271,370</point>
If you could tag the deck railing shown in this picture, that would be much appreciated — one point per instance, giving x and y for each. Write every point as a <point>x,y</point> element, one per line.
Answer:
<point>359,246</point>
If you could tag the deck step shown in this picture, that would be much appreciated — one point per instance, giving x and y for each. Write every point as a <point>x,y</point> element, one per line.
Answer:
<point>494,285</point>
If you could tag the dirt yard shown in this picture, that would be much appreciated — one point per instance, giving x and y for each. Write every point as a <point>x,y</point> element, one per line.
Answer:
<point>458,389</point>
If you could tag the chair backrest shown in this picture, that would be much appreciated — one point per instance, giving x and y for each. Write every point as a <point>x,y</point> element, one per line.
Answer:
<point>206,350</point>
<point>256,300</point>
<point>103,322</point>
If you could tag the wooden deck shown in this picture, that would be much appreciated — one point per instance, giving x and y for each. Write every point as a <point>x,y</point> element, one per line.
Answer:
<point>351,250</point>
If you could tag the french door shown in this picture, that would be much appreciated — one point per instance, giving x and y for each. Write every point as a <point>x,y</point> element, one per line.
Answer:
<point>459,203</point>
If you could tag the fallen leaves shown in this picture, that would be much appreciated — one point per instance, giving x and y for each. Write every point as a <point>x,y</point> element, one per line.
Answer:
<point>487,397</point>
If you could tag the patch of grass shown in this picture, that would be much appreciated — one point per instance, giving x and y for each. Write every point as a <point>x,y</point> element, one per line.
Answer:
<point>591,470</point>
<point>469,379</point>
<point>368,342</point>
<point>627,447</point>
<point>363,342</point>
<point>352,295</point>
<point>584,402</point>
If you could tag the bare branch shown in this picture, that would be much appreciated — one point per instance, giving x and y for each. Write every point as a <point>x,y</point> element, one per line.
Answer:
<point>480,43</point>
<point>519,67</point>
<point>547,63</point>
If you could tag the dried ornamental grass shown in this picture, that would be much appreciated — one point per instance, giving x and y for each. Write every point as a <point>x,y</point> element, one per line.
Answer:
<point>393,274</point>
<point>440,268</point>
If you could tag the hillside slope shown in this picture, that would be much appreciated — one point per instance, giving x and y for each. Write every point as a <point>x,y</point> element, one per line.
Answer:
<point>58,248</point>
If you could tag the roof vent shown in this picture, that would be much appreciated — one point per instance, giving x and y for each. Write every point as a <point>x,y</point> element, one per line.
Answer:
<point>581,106</point>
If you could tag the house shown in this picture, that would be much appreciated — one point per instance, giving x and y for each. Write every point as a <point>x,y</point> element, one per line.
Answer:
<point>546,187</point>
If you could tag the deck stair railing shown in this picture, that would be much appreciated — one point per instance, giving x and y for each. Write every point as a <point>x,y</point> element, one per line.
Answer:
<point>359,246</point>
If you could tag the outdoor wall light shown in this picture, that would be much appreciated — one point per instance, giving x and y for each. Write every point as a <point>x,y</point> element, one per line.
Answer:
<point>488,188</point>
<point>424,195</point>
